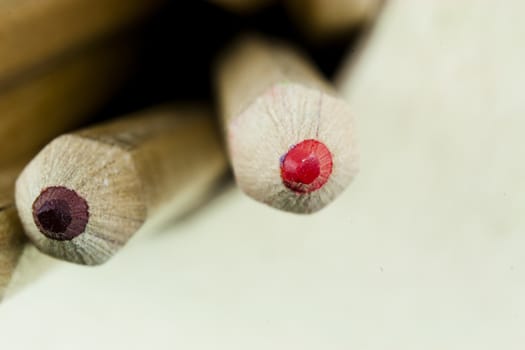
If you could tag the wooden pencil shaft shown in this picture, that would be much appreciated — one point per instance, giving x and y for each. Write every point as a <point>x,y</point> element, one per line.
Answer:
<point>33,31</point>
<point>12,239</point>
<point>242,6</point>
<point>63,96</point>
<point>289,136</point>
<point>254,65</point>
<point>20,262</point>
<point>12,243</point>
<point>323,19</point>
<point>86,193</point>
<point>40,108</point>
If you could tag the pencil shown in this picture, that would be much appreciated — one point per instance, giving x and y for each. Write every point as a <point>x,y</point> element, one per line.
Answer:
<point>290,137</point>
<point>242,6</point>
<point>20,262</point>
<point>35,31</point>
<point>12,239</point>
<point>41,107</point>
<point>86,193</point>
<point>12,242</point>
<point>326,19</point>
<point>54,100</point>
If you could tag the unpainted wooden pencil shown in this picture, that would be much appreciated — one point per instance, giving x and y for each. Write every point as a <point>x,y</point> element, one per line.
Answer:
<point>242,6</point>
<point>12,240</point>
<point>86,193</point>
<point>53,101</point>
<point>41,107</point>
<point>33,31</point>
<point>20,263</point>
<point>324,19</point>
<point>290,137</point>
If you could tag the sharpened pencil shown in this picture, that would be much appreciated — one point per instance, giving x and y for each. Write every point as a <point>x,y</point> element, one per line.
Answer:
<point>40,108</point>
<point>290,137</point>
<point>86,193</point>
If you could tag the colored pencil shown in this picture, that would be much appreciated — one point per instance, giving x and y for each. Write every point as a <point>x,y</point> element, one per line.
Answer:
<point>39,108</point>
<point>290,137</point>
<point>87,193</point>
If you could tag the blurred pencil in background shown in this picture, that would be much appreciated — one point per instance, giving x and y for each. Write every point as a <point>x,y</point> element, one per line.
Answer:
<point>42,106</point>
<point>34,31</point>
<point>87,193</point>
<point>329,19</point>
<point>242,6</point>
<point>290,138</point>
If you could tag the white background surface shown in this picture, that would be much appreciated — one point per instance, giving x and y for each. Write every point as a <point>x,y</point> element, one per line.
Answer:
<point>426,250</point>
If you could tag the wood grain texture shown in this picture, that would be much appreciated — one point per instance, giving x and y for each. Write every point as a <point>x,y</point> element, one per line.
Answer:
<point>323,19</point>
<point>35,110</point>
<point>33,31</point>
<point>271,99</point>
<point>126,171</point>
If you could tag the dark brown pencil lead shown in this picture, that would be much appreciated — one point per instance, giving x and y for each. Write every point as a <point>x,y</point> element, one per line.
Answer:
<point>60,213</point>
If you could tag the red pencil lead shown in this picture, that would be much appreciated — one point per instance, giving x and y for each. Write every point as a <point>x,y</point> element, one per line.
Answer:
<point>306,166</point>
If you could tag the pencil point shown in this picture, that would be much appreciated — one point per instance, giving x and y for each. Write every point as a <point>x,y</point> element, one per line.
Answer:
<point>60,213</point>
<point>307,166</point>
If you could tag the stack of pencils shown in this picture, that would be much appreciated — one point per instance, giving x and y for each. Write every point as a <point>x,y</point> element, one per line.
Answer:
<point>97,142</point>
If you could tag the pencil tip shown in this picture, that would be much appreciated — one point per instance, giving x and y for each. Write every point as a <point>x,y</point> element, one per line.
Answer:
<point>60,213</point>
<point>306,166</point>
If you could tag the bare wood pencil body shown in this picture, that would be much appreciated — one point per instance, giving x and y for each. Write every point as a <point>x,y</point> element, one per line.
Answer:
<point>242,6</point>
<point>40,108</point>
<point>12,243</point>
<point>12,239</point>
<point>290,137</point>
<point>323,19</point>
<point>87,193</point>
<point>20,263</point>
<point>32,31</point>
<point>37,109</point>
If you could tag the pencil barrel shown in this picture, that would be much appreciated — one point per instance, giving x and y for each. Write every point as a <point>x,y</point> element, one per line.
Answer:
<point>114,177</point>
<point>11,244</point>
<point>61,97</point>
<point>242,6</point>
<point>325,20</point>
<point>35,31</point>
